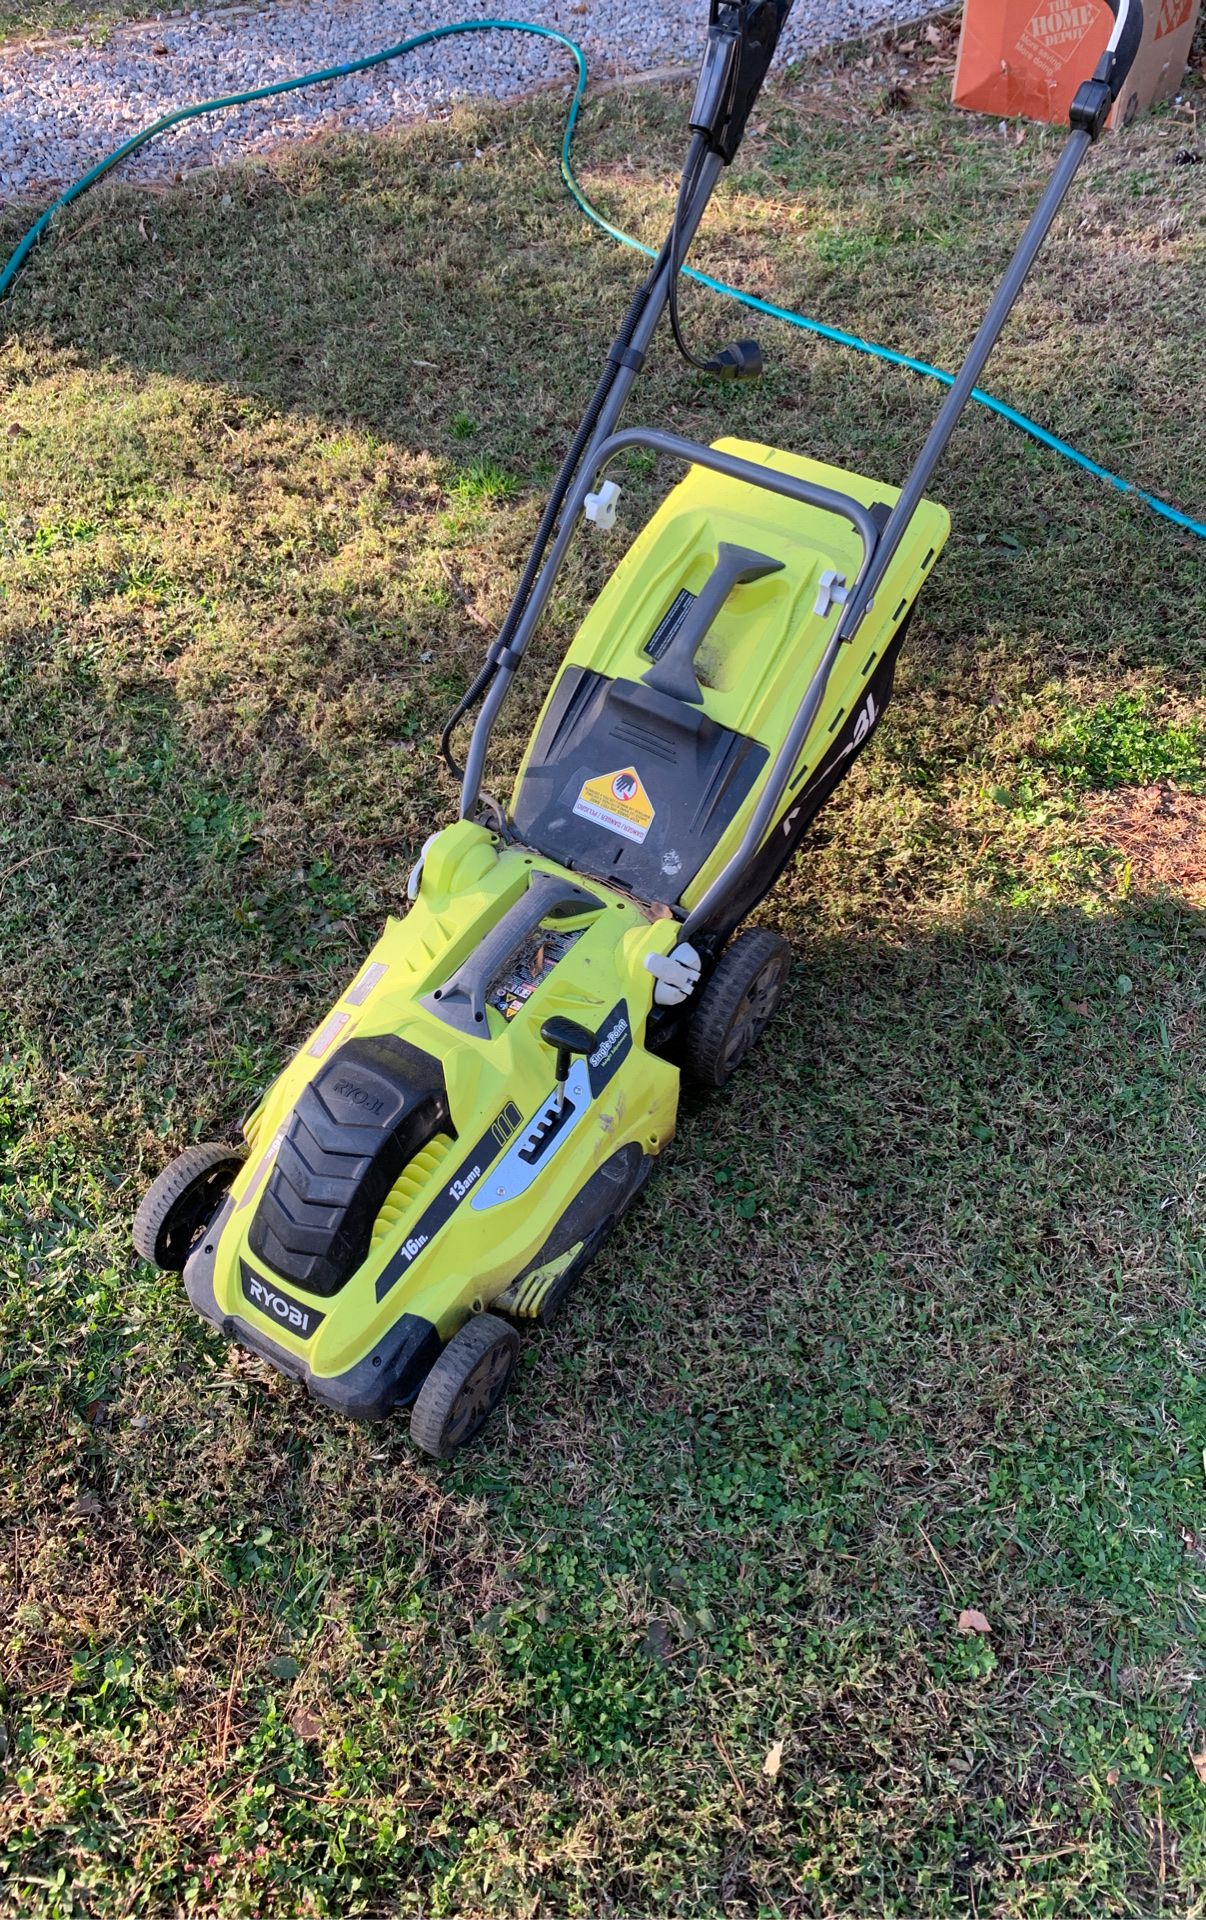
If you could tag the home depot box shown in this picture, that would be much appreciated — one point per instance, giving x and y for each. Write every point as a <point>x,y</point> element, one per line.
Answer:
<point>1029,56</point>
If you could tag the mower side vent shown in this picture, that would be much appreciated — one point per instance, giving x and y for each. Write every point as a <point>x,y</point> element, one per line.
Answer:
<point>362,1120</point>
<point>409,1184</point>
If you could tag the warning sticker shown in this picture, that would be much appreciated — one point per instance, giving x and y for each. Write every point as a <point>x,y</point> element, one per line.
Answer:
<point>526,968</point>
<point>618,802</point>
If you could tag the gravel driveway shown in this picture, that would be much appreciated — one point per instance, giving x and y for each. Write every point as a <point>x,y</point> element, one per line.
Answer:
<point>63,107</point>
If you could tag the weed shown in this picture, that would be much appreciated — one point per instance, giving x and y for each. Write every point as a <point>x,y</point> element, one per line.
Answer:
<point>1124,742</point>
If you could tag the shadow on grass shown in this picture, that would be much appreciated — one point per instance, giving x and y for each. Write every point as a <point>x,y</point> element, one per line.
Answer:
<point>909,1322</point>
<point>438,296</point>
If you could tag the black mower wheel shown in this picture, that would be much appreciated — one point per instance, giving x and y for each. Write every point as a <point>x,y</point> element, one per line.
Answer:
<point>735,1005</point>
<point>178,1205</point>
<point>464,1386</point>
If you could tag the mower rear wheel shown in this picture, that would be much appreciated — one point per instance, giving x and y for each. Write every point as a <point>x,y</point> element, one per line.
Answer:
<point>182,1201</point>
<point>735,1005</point>
<point>464,1386</point>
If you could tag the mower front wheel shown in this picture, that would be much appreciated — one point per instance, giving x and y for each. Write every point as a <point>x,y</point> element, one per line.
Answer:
<point>735,1005</point>
<point>464,1386</point>
<point>182,1201</point>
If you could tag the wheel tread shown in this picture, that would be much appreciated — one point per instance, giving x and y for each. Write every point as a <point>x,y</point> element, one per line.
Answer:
<point>168,1189</point>
<point>437,1396</point>
<point>720,998</point>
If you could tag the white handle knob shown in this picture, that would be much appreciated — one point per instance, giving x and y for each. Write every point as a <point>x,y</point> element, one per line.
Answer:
<point>677,974</point>
<point>600,508</point>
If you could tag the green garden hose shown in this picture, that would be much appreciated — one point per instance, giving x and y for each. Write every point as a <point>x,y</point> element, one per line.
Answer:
<point>800,321</point>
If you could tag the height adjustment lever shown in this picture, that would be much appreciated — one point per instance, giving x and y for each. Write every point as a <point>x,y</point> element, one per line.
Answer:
<point>569,1038</point>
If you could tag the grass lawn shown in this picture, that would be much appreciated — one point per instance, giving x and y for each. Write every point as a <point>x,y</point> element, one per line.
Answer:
<point>34,17</point>
<point>911,1318</point>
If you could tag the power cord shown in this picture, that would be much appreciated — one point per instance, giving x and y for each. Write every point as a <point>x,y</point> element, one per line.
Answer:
<point>801,322</point>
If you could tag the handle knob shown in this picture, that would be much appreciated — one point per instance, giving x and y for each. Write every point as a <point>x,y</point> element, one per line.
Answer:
<point>569,1038</point>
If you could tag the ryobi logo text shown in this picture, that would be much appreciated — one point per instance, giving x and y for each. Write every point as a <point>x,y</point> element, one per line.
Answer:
<point>865,719</point>
<point>359,1096</point>
<point>278,1306</point>
<point>868,714</point>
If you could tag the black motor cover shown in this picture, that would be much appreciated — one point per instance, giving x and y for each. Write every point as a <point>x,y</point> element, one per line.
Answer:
<point>361,1120</point>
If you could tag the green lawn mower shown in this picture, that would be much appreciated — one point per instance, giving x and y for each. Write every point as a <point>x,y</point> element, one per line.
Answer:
<point>450,1146</point>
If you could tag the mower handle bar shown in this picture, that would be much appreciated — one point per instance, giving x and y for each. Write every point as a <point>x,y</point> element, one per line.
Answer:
<point>461,1001</point>
<point>1090,109</point>
<point>806,492</point>
<point>1088,116</point>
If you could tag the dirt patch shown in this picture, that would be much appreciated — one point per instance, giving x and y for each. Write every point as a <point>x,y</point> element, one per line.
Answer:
<point>1162,833</point>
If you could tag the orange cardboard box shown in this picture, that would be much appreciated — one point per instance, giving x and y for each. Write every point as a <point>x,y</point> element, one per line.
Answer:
<point>1029,56</point>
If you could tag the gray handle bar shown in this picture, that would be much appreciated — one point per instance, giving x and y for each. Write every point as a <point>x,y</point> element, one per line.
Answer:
<point>461,1001</point>
<point>733,467</point>
<point>1089,111</point>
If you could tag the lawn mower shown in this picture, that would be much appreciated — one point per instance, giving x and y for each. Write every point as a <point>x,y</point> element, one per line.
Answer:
<point>450,1146</point>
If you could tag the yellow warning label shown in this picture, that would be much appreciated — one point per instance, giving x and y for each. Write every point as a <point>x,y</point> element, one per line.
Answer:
<point>618,802</point>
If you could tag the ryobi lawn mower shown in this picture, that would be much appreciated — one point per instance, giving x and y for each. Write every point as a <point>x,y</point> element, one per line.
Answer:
<point>440,1160</point>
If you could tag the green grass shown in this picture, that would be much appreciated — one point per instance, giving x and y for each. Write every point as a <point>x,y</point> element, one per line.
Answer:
<point>35,17</point>
<point>911,1320</point>
<point>1124,742</point>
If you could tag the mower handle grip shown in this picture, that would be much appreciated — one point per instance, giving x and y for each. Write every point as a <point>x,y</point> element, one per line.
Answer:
<point>461,1001</point>
<point>1123,43</point>
<point>1095,96</point>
